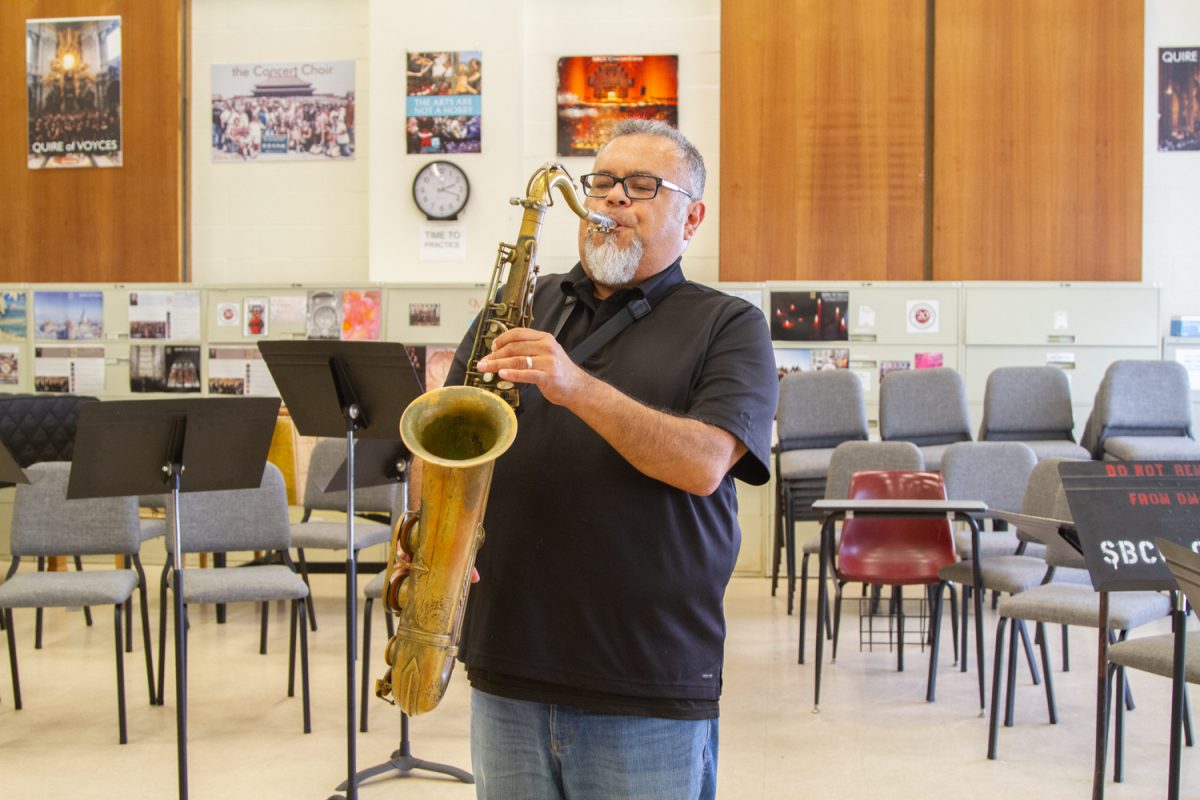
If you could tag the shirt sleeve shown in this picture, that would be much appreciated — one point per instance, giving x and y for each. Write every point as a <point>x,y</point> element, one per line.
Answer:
<point>738,388</point>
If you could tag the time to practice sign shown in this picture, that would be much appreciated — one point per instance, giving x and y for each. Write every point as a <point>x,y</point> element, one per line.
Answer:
<point>1120,507</point>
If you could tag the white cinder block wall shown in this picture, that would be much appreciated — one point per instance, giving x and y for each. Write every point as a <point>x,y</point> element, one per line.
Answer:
<point>356,221</point>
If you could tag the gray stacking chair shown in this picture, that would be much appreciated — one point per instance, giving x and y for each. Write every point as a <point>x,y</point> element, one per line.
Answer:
<point>1061,603</point>
<point>847,459</point>
<point>996,473</point>
<point>927,407</point>
<point>328,455</point>
<point>817,411</point>
<point>239,520</point>
<point>45,523</point>
<point>1031,405</point>
<point>1142,410</point>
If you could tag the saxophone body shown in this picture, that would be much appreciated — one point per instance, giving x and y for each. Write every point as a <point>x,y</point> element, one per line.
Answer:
<point>458,432</point>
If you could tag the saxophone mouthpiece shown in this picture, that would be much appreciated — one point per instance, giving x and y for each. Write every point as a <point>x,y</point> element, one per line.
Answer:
<point>600,223</point>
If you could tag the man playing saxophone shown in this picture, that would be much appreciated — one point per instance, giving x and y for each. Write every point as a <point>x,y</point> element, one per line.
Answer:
<point>594,641</point>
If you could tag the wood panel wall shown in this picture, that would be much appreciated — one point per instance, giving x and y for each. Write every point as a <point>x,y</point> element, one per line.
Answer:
<point>822,139</point>
<point>1034,137</point>
<point>118,224</point>
<point>1038,141</point>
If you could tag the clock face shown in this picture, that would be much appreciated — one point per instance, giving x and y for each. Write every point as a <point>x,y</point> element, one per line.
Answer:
<point>441,190</point>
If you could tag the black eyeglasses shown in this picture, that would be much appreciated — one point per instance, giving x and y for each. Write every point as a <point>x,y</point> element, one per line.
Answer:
<point>636,187</point>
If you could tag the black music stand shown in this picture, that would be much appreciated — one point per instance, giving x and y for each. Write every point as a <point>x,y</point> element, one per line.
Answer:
<point>355,390</point>
<point>1120,510</point>
<point>10,470</point>
<point>134,447</point>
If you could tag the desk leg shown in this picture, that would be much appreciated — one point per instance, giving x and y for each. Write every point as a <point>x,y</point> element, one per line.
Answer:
<point>1101,701</point>
<point>977,598</point>
<point>1178,676</point>
<point>822,604</point>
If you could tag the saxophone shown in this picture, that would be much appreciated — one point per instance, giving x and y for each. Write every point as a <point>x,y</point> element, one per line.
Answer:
<point>458,432</point>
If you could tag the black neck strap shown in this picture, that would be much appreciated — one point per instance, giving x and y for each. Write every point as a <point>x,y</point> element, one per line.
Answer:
<point>634,310</point>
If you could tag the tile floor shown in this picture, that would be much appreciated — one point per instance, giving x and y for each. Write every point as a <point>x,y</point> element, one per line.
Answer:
<point>875,737</point>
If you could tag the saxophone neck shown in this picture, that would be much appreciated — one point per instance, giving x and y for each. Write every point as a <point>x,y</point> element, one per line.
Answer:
<point>552,176</point>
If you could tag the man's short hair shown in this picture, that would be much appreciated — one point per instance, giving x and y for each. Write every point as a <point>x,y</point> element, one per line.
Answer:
<point>693,162</point>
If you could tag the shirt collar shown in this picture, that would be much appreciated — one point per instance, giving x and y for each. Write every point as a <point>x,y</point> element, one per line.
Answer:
<point>579,285</point>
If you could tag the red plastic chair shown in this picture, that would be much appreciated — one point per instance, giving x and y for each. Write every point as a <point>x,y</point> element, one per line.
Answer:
<point>896,552</point>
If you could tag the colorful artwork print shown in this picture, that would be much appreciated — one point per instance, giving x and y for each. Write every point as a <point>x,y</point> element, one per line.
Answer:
<point>362,313</point>
<point>444,106</point>
<point>809,316</point>
<point>596,92</point>
<point>13,316</point>
<point>73,84</point>
<point>68,315</point>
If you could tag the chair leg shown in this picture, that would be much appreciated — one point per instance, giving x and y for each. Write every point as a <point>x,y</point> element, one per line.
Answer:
<point>994,721</point>
<point>303,626</point>
<point>128,613</point>
<point>1119,733</point>
<point>366,663</point>
<point>1029,657</point>
<point>262,635</point>
<point>803,601</point>
<point>124,738</point>
<point>777,539</point>
<point>145,608</point>
<point>87,612</point>
<point>37,624</point>
<point>837,619</point>
<point>1066,651</point>
<point>162,632</point>
<point>12,658</point>
<point>935,614</point>
<point>308,601</point>
<point>966,609</point>
<point>1051,705</point>
<point>898,604</point>
<point>291,692</point>
<point>953,591</point>
<point>1010,699</point>
<point>789,546</point>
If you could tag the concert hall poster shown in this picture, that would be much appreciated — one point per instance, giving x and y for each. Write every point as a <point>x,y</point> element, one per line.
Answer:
<point>445,102</point>
<point>596,92</point>
<point>73,82</point>
<point>295,111</point>
<point>1178,98</point>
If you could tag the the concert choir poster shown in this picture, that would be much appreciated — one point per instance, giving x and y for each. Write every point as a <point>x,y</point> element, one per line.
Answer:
<point>73,86</point>
<point>596,92</point>
<point>445,102</point>
<point>1179,98</point>
<point>295,111</point>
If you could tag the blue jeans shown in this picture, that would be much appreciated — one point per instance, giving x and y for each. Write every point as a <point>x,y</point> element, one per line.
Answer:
<point>534,751</point>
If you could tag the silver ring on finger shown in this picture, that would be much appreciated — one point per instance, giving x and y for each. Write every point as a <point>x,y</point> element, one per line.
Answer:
<point>528,362</point>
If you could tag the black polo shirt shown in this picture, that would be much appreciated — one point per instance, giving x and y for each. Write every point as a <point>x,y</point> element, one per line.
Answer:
<point>602,588</point>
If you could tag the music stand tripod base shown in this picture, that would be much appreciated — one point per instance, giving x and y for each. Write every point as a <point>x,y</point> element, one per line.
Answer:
<point>403,762</point>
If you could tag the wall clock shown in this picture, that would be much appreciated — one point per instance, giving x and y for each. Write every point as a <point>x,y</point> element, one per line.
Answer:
<point>441,190</point>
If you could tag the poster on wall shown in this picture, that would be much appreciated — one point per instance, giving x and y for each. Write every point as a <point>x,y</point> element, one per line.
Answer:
<point>296,111</point>
<point>73,85</point>
<point>362,313</point>
<point>164,315</point>
<point>1178,98</point>
<point>68,315</point>
<point>78,370</point>
<point>596,92</point>
<point>10,365</point>
<point>13,316</point>
<point>239,370</point>
<point>809,316</point>
<point>164,368</point>
<point>445,102</point>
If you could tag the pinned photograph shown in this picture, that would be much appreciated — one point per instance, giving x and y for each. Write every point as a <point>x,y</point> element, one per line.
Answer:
<point>256,317</point>
<point>295,111</point>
